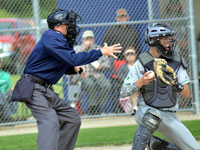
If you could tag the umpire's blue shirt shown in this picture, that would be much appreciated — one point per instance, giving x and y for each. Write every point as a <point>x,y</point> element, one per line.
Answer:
<point>52,57</point>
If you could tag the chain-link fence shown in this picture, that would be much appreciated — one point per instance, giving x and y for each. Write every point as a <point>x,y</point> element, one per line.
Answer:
<point>111,22</point>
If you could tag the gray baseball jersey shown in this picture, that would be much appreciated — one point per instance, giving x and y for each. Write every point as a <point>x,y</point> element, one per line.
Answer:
<point>170,126</point>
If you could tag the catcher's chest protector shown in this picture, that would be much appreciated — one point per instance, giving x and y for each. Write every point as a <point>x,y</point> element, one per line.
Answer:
<point>156,93</point>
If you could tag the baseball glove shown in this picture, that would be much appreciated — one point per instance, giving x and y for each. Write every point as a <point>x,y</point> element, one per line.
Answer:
<point>164,72</point>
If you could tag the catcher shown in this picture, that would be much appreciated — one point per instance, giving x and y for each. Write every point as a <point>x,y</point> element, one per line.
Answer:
<point>158,99</point>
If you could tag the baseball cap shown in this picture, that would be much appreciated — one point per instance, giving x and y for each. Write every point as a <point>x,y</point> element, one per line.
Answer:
<point>87,33</point>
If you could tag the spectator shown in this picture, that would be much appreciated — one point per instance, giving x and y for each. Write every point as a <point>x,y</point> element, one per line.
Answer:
<point>198,52</point>
<point>6,108</point>
<point>96,85</point>
<point>130,56</point>
<point>126,35</point>
<point>4,78</point>
<point>174,10</point>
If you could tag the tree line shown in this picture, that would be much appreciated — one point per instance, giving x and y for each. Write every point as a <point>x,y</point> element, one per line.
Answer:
<point>24,8</point>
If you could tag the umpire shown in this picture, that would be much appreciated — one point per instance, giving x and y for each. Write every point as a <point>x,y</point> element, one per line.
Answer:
<point>52,57</point>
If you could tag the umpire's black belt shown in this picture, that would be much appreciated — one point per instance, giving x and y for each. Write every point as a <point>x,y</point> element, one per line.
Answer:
<point>37,80</point>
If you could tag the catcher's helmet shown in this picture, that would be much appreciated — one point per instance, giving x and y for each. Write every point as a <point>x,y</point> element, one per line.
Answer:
<point>156,31</point>
<point>70,18</point>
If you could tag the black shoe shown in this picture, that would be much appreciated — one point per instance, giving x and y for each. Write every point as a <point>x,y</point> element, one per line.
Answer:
<point>154,144</point>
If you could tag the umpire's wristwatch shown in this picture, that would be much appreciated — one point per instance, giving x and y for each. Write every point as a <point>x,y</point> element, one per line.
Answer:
<point>80,70</point>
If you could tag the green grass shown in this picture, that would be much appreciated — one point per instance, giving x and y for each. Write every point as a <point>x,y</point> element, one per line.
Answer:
<point>89,137</point>
<point>14,79</point>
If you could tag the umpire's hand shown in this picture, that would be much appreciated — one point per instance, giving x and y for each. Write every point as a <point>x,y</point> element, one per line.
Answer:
<point>110,50</point>
<point>82,73</point>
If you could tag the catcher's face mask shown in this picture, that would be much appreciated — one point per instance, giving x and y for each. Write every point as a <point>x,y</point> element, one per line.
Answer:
<point>161,36</point>
<point>168,43</point>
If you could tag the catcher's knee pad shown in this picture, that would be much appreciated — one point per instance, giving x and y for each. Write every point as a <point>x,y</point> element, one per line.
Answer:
<point>151,119</point>
<point>141,138</point>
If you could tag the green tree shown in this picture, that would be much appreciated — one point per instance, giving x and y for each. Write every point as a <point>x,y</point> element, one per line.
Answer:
<point>24,9</point>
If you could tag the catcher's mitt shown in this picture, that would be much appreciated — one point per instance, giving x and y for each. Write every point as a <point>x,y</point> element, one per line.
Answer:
<point>164,72</point>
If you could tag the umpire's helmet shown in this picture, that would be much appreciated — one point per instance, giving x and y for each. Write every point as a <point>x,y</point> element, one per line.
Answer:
<point>70,18</point>
<point>61,16</point>
<point>156,31</point>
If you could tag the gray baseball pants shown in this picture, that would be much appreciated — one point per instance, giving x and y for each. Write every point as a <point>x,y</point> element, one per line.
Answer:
<point>171,128</point>
<point>58,123</point>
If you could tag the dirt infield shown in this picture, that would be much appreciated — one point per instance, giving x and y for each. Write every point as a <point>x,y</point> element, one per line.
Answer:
<point>122,147</point>
<point>108,121</point>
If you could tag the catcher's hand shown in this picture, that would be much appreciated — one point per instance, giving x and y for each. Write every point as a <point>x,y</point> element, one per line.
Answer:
<point>164,72</point>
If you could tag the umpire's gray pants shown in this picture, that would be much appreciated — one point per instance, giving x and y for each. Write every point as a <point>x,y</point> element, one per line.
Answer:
<point>58,123</point>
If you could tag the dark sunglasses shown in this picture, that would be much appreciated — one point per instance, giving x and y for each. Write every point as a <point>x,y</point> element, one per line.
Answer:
<point>123,15</point>
<point>130,54</point>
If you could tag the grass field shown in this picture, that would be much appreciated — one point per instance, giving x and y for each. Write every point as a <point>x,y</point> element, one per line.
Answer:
<point>89,137</point>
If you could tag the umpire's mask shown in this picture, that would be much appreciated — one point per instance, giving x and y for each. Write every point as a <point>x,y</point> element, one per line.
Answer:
<point>69,18</point>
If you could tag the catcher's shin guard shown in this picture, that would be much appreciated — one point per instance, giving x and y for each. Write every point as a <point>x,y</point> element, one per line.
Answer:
<point>156,143</point>
<point>150,122</point>
<point>141,138</point>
